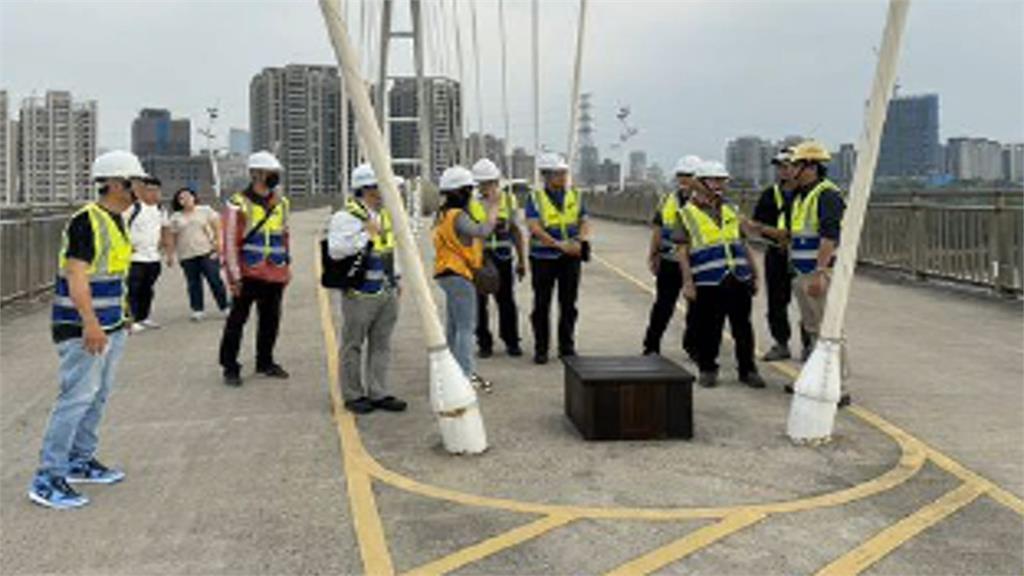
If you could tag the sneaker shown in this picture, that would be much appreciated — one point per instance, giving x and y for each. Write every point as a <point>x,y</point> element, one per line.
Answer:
<point>389,404</point>
<point>514,351</point>
<point>54,492</point>
<point>197,316</point>
<point>151,324</point>
<point>708,379</point>
<point>93,472</point>
<point>137,327</point>
<point>481,384</point>
<point>753,379</point>
<point>844,400</point>
<point>778,352</point>
<point>232,378</point>
<point>788,388</point>
<point>273,371</point>
<point>361,405</point>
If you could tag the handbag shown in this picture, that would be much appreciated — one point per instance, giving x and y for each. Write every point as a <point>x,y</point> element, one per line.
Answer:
<point>487,279</point>
<point>345,274</point>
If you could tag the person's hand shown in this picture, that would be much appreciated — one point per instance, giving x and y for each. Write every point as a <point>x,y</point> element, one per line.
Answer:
<point>653,263</point>
<point>689,291</point>
<point>372,228</point>
<point>520,271</point>
<point>236,288</point>
<point>818,284</point>
<point>94,340</point>
<point>170,261</point>
<point>570,248</point>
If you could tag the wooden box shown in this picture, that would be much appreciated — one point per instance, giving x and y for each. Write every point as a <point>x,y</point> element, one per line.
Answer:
<point>628,397</point>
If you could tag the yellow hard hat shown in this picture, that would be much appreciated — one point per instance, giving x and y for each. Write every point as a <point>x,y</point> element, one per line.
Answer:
<point>810,151</point>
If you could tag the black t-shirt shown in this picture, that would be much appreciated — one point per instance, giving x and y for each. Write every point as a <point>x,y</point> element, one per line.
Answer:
<point>81,246</point>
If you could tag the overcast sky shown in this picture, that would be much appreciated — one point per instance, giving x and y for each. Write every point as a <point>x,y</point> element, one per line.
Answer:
<point>695,73</point>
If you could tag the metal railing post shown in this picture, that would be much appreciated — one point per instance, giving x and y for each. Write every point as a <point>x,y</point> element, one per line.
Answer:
<point>918,236</point>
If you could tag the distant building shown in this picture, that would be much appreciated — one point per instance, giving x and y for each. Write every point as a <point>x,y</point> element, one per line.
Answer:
<point>590,165</point>
<point>239,142</point>
<point>6,166</point>
<point>486,146</point>
<point>296,113</point>
<point>522,164</point>
<point>910,140</point>
<point>56,147</point>
<point>637,166</point>
<point>748,159</point>
<point>1013,163</point>
<point>610,170</point>
<point>445,106</point>
<point>977,159</point>
<point>155,133</point>
<point>656,174</point>
<point>840,170</point>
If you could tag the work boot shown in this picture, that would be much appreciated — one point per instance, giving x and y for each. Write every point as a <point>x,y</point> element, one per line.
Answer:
<point>753,379</point>
<point>540,358</point>
<point>273,371</point>
<point>514,351</point>
<point>777,352</point>
<point>708,379</point>
<point>233,378</point>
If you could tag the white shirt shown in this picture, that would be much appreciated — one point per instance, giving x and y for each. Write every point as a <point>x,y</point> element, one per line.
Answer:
<point>145,231</point>
<point>347,236</point>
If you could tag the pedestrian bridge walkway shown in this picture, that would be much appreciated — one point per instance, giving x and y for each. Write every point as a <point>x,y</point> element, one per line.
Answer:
<point>925,476</point>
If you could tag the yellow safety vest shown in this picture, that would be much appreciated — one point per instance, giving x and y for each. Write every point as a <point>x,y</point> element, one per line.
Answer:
<point>561,224</point>
<point>500,241</point>
<point>715,250</point>
<point>804,228</point>
<point>267,244</point>
<point>671,220</point>
<point>380,266</point>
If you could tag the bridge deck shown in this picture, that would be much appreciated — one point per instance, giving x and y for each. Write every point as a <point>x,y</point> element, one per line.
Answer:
<point>923,477</point>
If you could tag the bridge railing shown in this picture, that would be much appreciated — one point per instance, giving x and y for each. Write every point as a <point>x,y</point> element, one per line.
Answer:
<point>971,237</point>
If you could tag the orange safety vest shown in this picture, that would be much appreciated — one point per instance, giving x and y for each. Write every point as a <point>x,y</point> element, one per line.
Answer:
<point>450,254</point>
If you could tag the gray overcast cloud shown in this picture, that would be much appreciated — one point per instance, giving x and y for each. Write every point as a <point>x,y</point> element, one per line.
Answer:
<point>695,73</point>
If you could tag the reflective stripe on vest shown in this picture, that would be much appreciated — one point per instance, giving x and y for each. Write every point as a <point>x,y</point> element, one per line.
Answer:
<point>561,224</point>
<point>267,244</point>
<point>380,266</point>
<point>715,251</point>
<point>804,228</point>
<point>112,255</point>
<point>500,241</point>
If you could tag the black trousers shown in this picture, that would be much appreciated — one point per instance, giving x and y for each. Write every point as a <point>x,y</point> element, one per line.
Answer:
<point>141,278</point>
<point>779,283</point>
<point>731,299</point>
<point>565,272</point>
<point>267,296</point>
<point>669,286</point>
<point>508,316</point>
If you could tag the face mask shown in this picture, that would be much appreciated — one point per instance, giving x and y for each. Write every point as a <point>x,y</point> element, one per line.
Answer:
<point>272,180</point>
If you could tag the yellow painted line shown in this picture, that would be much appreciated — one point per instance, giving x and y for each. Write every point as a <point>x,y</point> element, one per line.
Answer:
<point>369,530</point>
<point>491,546</point>
<point>687,545</point>
<point>891,538</point>
<point>997,493</point>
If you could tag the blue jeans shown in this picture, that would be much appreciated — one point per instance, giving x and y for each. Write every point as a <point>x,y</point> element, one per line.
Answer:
<point>460,319</point>
<point>195,270</point>
<point>85,382</point>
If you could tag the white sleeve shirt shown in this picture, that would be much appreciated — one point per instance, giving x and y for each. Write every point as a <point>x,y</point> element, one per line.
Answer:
<point>346,235</point>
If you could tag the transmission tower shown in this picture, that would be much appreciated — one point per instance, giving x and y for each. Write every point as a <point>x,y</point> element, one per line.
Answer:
<point>588,163</point>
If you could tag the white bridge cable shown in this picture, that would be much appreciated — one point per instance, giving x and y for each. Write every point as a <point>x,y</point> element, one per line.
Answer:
<point>476,75</point>
<point>574,113</point>
<point>536,90</point>
<point>504,87</point>
<point>463,158</point>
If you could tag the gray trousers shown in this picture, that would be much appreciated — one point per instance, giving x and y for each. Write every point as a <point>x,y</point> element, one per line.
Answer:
<point>368,320</point>
<point>460,320</point>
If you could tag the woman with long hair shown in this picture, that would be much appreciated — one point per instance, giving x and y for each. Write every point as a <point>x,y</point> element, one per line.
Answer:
<point>195,237</point>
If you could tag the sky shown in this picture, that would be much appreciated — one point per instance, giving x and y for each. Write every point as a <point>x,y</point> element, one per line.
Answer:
<point>694,73</point>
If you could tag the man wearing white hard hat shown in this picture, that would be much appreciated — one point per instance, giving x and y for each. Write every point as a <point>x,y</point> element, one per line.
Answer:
<point>498,248</point>
<point>663,259</point>
<point>89,320</point>
<point>559,242</point>
<point>369,306</point>
<point>256,252</point>
<point>719,276</point>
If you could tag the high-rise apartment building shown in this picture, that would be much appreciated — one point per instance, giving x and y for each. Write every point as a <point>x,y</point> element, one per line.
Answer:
<point>637,166</point>
<point>910,140</point>
<point>1013,163</point>
<point>155,133</point>
<point>6,166</point>
<point>978,159</point>
<point>748,159</point>
<point>56,147</point>
<point>445,106</point>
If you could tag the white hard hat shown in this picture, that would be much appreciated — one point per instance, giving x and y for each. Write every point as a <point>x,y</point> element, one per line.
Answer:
<point>363,176</point>
<point>399,181</point>
<point>455,178</point>
<point>551,162</point>
<point>688,165</point>
<point>117,164</point>
<point>485,171</point>
<point>264,160</point>
<point>712,169</point>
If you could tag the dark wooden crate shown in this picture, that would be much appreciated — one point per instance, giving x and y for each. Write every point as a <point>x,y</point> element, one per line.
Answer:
<point>628,397</point>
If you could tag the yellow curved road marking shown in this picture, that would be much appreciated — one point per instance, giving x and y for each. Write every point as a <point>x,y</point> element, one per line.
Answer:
<point>892,537</point>
<point>657,559</point>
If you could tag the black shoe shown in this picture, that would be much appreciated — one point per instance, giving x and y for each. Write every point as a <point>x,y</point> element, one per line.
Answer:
<point>651,352</point>
<point>540,358</point>
<point>567,353</point>
<point>232,378</point>
<point>788,388</point>
<point>485,353</point>
<point>844,401</point>
<point>389,404</point>
<point>514,351</point>
<point>361,405</point>
<point>753,379</point>
<point>708,379</point>
<point>806,353</point>
<point>778,352</point>
<point>273,371</point>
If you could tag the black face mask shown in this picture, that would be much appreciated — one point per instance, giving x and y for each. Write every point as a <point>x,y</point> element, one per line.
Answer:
<point>272,180</point>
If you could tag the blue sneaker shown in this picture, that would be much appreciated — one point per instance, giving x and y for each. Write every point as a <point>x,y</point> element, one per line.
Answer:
<point>54,492</point>
<point>92,472</point>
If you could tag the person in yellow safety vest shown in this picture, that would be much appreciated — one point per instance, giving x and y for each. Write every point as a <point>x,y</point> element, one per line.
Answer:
<point>89,322</point>
<point>559,242</point>
<point>370,310</point>
<point>256,250</point>
<point>813,232</point>
<point>719,276</point>
<point>664,264</point>
<point>498,247</point>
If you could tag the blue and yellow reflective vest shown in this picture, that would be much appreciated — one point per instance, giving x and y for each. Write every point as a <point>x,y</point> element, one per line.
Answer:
<point>561,224</point>
<point>715,250</point>
<point>112,256</point>
<point>500,242</point>
<point>267,244</point>
<point>805,235</point>
<point>380,266</point>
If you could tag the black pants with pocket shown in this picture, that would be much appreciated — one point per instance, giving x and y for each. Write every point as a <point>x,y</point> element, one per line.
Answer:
<point>669,285</point>
<point>267,296</point>
<point>564,272</point>
<point>731,299</point>
<point>779,284</point>
<point>141,279</point>
<point>508,315</point>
